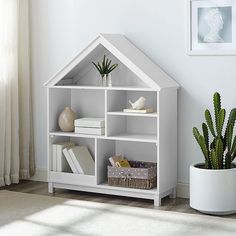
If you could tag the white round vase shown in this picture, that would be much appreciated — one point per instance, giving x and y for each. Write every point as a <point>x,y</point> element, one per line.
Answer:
<point>213,191</point>
<point>66,120</point>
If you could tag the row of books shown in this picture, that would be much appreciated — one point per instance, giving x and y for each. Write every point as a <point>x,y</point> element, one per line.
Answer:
<point>68,157</point>
<point>95,126</point>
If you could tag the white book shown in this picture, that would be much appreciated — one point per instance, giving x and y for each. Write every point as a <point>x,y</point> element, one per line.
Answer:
<point>62,164</point>
<point>82,160</point>
<point>90,122</point>
<point>69,160</point>
<point>54,158</point>
<point>95,131</point>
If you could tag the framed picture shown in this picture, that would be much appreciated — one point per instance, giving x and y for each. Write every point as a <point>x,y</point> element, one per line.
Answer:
<point>212,27</point>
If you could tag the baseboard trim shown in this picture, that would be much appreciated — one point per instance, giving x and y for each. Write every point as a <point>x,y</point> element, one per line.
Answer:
<point>182,190</point>
<point>42,176</point>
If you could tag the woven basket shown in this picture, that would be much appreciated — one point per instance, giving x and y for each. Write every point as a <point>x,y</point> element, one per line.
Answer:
<point>142,175</point>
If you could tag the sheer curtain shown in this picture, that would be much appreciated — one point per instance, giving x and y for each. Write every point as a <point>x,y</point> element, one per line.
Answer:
<point>16,133</point>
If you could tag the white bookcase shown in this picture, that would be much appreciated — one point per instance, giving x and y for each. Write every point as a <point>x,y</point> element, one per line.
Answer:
<point>146,137</point>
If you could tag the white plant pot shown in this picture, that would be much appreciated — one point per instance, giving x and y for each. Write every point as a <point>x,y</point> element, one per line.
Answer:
<point>213,191</point>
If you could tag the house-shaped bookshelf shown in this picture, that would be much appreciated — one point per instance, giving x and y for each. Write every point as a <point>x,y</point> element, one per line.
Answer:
<point>137,136</point>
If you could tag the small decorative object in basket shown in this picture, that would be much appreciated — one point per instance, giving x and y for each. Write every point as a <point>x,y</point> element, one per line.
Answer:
<point>142,175</point>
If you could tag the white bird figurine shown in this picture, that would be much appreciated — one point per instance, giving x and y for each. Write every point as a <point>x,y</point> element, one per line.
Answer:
<point>139,104</point>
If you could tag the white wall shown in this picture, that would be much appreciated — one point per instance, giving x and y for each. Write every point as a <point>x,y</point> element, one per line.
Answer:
<point>61,28</point>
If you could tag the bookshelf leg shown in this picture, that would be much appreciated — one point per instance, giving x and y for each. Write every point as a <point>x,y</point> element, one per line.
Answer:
<point>173,194</point>
<point>51,188</point>
<point>157,201</point>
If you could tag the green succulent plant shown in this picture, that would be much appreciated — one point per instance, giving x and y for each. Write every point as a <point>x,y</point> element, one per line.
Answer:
<point>221,151</point>
<point>105,66</point>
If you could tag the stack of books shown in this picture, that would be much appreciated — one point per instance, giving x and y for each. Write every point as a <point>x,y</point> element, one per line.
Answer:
<point>59,162</point>
<point>94,126</point>
<point>66,157</point>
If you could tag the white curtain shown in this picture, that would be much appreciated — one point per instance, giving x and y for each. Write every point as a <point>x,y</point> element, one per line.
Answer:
<point>16,133</point>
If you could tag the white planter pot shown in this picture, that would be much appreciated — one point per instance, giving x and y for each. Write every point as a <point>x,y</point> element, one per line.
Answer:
<point>213,191</point>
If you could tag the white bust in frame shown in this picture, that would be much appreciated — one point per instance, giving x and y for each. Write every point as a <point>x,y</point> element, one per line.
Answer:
<point>212,27</point>
<point>215,22</point>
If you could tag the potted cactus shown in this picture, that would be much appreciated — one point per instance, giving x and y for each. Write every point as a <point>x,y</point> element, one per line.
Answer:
<point>213,183</point>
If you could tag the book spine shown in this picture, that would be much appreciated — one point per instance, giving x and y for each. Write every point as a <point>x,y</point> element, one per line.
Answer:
<point>92,124</point>
<point>96,131</point>
<point>54,157</point>
<point>69,160</point>
<point>76,163</point>
<point>59,158</point>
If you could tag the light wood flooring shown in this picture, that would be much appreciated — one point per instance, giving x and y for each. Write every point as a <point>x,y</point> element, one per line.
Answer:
<point>41,188</point>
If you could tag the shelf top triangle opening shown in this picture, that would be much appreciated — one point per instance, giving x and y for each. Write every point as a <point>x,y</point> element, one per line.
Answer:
<point>135,69</point>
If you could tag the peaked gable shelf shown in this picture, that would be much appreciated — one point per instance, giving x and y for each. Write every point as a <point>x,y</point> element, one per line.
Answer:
<point>144,137</point>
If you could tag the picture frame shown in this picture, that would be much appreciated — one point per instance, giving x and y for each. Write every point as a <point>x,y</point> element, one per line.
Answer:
<point>211,27</point>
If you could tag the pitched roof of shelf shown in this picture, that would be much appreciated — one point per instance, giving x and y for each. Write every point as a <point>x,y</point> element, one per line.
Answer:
<point>149,72</point>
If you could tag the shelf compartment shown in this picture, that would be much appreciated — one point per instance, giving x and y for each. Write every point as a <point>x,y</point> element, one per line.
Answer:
<point>119,100</point>
<point>132,128</point>
<point>85,73</point>
<point>121,113</point>
<point>85,103</point>
<point>81,141</point>
<point>71,178</point>
<point>133,151</point>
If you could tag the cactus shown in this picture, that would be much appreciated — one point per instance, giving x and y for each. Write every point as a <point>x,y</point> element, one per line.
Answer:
<point>221,152</point>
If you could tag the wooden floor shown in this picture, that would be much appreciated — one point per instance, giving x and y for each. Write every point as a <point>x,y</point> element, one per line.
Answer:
<point>40,188</point>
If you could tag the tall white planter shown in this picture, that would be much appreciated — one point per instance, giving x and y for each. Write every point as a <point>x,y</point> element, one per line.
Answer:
<point>213,191</point>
